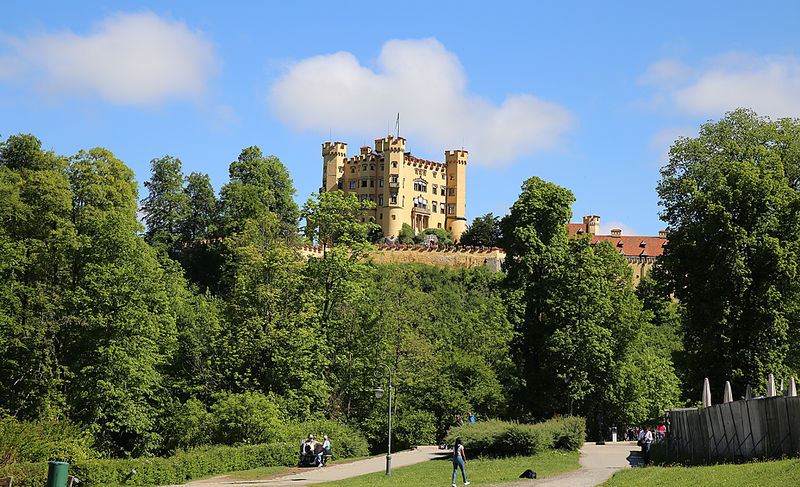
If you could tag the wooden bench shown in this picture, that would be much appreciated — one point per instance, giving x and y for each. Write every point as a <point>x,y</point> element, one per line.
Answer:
<point>7,481</point>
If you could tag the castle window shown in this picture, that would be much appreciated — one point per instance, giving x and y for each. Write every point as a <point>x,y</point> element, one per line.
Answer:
<point>364,167</point>
<point>371,183</point>
<point>393,179</point>
<point>394,217</point>
<point>421,186</point>
<point>443,191</point>
<point>341,168</point>
<point>372,167</point>
<point>380,200</point>
<point>380,217</point>
<point>438,225</point>
<point>394,164</point>
<point>381,167</point>
<point>353,169</point>
<point>434,206</point>
<point>452,191</point>
<point>339,184</point>
<point>393,200</point>
<point>352,184</point>
<point>364,182</point>
<point>372,197</point>
<point>435,189</point>
<point>451,209</point>
<point>452,177</point>
<point>380,182</point>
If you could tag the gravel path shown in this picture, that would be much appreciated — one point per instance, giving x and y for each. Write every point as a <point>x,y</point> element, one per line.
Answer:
<point>598,464</point>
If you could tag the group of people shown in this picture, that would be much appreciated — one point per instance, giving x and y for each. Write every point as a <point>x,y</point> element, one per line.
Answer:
<point>313,453</point>
<point>460,420</point>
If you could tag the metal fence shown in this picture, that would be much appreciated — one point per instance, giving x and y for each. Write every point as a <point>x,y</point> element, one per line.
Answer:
<point>753,428</point>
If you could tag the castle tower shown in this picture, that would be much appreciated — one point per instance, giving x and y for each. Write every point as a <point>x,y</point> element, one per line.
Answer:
<point>393,151</point>
<point>333,155</point>
<point>456,205</point>
<point>592,223</point>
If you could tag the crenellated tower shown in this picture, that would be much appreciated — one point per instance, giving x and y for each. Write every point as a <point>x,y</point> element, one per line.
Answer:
<point>456,161</point>
<point>333,156</point>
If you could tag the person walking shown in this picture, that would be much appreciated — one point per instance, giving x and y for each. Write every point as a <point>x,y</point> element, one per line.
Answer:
<point>458,461</point>
<point>645,440</point>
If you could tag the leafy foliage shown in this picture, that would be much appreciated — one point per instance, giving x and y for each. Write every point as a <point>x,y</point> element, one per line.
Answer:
<point>503,438</point>
<point>484,230</point>
<point>731,201</point>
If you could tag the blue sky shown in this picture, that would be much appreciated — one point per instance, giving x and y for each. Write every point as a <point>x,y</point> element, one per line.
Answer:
<point>586,95</point>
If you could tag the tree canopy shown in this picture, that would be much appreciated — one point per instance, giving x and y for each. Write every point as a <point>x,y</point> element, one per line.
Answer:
<point>731,200</point>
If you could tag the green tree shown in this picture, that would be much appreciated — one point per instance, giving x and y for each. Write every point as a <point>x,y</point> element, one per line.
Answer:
<point>202,255</point>
<point>484,230</point>
<point>258,184</point>
<point>582,330</point>
<point>731,200</point>
<point>166,205</point>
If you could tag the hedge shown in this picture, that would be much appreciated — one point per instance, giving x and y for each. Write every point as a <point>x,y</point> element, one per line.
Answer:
<point>497,438</point>
<point>177,469</point>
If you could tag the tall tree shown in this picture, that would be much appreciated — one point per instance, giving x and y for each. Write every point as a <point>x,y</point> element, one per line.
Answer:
<point>258,184</point>
<point>166,205</point>
<point>582,344</point>
<point>484,230</point>
<point>731,198</point>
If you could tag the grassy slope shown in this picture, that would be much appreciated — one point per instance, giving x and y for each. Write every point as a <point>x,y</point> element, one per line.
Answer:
<point>759,474</point>
<point>479,471</point>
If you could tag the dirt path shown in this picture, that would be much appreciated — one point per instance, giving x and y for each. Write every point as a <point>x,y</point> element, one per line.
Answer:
<point>598,464</point>
<point>331,472</point>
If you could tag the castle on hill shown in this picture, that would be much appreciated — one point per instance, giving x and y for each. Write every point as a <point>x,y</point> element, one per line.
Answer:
<point>405,189</point>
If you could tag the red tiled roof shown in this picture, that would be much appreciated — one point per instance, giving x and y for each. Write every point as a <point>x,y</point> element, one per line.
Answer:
<point>631,245</point>
<point>574,227</point>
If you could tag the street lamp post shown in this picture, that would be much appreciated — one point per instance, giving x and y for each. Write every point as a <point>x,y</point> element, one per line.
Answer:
<point>379,394</point>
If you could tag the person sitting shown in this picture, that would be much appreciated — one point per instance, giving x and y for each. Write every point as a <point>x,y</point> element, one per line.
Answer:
<point>325,449</point>
<point>307,448</point>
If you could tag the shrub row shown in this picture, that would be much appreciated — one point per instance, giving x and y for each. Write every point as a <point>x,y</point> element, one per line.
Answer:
<point>38,440</point>
<point>502,438</point>
<point>177,469</point>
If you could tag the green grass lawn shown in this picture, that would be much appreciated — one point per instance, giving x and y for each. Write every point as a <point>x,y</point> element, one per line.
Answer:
<point>758,474</point>
<point>480,471</point>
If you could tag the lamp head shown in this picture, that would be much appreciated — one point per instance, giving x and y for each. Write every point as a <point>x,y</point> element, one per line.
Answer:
<point>378,392</point>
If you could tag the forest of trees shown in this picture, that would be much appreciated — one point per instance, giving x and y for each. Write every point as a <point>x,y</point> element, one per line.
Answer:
<point>144,332</point>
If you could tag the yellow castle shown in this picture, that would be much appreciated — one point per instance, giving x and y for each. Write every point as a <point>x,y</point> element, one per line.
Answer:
<point>405,189</point>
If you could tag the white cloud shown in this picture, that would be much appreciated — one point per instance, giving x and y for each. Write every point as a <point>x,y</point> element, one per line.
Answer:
<point>427,85</point>
<point>665,73</point>
<point>128,59</point>
<point>605,228</point>
<point>770,85</point>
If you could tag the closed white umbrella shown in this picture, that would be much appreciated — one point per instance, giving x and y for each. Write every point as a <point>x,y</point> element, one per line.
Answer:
<point>792,387</point>
<point>771,386</point>
<point>727,396</point>
<point>706,393</point>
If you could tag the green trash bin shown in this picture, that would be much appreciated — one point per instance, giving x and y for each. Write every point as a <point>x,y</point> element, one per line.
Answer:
<point>57,474</point>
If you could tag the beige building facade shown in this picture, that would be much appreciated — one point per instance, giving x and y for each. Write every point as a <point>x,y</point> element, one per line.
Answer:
<point>405,189</point>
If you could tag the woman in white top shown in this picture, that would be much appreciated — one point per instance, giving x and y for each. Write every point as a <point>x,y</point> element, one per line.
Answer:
<point>458,461</point>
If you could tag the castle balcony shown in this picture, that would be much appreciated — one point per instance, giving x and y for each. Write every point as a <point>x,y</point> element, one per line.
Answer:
<point>422,211</point>
<point>394,185</point>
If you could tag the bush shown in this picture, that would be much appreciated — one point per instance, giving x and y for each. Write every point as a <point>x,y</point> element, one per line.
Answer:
<point>345,441</point>
<point>44,440</point>
<point>502,438</point>
<point>248,417</point>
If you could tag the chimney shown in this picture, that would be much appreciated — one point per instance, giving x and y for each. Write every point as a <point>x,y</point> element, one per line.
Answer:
<point>662,234</point>
<point>616,232</point>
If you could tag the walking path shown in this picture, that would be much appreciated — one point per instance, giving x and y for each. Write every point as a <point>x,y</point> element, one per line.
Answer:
<point>331,472</point>
<point>598,464</point>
